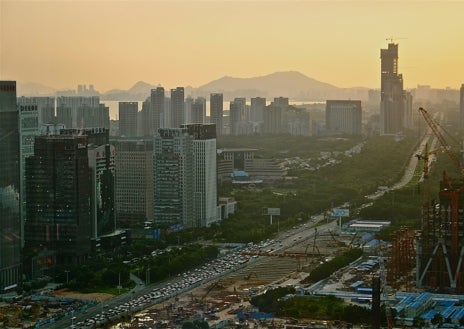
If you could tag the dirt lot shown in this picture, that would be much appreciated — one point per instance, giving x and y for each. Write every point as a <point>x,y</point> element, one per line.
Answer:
<point>91,296</point>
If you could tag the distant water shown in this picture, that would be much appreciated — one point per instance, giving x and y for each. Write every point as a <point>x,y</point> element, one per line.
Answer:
<point>114,106</point>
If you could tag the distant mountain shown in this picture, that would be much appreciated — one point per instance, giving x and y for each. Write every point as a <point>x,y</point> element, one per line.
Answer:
<point>34,89</point>
<point>139,91</point>
<point>290,84</point>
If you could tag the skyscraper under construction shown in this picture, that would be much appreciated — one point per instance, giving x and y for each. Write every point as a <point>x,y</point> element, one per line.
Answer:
<point>440,248</point>
<point>391,92</point>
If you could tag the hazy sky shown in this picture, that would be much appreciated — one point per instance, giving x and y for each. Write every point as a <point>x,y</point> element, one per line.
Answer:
<point>113,44</point>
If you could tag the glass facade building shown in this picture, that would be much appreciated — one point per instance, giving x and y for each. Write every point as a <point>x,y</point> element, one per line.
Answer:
<point>10,221</point>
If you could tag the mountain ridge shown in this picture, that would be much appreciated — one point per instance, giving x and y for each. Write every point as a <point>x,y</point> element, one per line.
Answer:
<point>291,84</point>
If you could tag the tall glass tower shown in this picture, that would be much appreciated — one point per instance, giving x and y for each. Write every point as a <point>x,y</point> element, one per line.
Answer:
<point>10,221</point>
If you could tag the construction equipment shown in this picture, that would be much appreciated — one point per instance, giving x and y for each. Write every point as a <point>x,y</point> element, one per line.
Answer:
<point>315,247</point>
<point>446,147</point>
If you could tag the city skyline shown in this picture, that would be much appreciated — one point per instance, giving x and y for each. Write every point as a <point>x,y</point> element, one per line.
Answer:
<point>181,43</point>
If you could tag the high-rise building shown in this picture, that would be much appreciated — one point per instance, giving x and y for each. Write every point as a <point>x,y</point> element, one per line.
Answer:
<point>297,121</point>
<point>157,110</point>
<point>343,117</point>
<point>82,112</point>
<point>391,92</point>
<point>188,103</point>
<point>128,118</point>
<point>10,221</point>
<point>257,108</point>
<point>173,178</point>
<point>272,119</point>
<point>177,107</point>
<point>198,111</point>
<point>216,111</point>
<point>184,176</point>
<point>102,170</point>
<point>134,180</point>
<point>281,102</point>
<point>144,126</point>
<point>58,191</point>
<point>28,129</point>
<point>45,108</point>
<point>101,163</point>
<point>237,114</point>
<point>93,117</point>
<point>204,166</point>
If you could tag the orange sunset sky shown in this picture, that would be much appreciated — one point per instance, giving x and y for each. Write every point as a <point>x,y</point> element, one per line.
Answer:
<point>113,44</point>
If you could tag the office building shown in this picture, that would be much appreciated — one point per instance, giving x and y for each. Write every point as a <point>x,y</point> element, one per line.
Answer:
<point>240,166</point>
<point>391,92</point>
<point>10,221</point>
<point>45,108</point>
<point>173,178</point>
<point>101,164</point>
<point>216,112</point>
<point>177,107</point>
<point>204,166</point>
<point>184,176</point>
<point>134,180</point>
<point>343,117</point>
<point>128,118</point>
<point>102,171</point>
<point>28,129</point>
<point>157,110</point>
<point>58,192</point>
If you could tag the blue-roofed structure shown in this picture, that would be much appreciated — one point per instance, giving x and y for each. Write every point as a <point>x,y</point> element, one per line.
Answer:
<point>457,315</point>
<point>446,313</point>
<point>428,316</point>
<point>364,290</point>
<point>367,237</point>
<point>441,304</point>
<point>356,284</point>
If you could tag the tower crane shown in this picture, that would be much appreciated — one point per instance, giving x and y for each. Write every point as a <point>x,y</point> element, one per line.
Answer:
<point>442,140</point>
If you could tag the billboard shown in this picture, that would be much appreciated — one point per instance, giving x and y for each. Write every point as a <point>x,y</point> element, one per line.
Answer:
<point>338,212</point>
<point>271,211</point>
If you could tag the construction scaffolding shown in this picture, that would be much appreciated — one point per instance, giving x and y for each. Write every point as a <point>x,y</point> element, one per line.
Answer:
<point>440,245</point>
<point>403,257</point>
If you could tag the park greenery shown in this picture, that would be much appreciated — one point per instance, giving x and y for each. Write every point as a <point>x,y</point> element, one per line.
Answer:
<point>351,177</point>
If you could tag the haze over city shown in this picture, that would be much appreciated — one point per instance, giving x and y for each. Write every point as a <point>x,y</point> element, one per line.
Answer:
<point>113,44</point>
